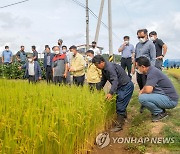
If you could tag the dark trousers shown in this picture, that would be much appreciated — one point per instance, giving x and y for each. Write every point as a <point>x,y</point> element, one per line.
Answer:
<point>59,80</point>
<point>159,63</point>
<point>93,86</point>
<point>124,94</point>
<point>79,80</point>
<point>141,80</point>
<point>48,74</point>
<point>127,63</point>
<point>32,79</point>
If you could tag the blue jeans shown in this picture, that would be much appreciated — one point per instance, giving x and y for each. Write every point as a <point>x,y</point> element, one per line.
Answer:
<point>155,103</point>
<point>124,94</point>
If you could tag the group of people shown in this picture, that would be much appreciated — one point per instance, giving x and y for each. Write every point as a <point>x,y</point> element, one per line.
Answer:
<point>157,92</point>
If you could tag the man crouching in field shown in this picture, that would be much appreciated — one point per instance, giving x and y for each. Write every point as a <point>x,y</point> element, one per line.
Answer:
<point>33,70</point>
<point>121,85</point>
<point>158,94</point>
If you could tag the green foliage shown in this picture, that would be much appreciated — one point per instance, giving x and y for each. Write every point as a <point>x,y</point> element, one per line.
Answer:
<point>13,72</point>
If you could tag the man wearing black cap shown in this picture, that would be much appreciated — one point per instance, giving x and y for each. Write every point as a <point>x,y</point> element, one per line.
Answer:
<point>95,49</point>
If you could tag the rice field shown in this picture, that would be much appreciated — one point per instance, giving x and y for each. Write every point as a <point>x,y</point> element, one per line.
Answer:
<point>41,118</point>
<point>175,73</point>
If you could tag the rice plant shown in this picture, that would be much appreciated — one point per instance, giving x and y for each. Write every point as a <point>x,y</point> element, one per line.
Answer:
<point>40,118</point>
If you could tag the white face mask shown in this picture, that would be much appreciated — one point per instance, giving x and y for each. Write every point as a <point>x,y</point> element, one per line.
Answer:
<point>57,52</point>
<point>142,40</point>
<point>138,71</point>
<point>89,58</point>
<point>30,60</point>
<point>64,51</point>
<point>127,42</point>
<point>152,38</point>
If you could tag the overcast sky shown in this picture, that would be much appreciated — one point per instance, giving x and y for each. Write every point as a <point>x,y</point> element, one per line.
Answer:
<point>40,22</point>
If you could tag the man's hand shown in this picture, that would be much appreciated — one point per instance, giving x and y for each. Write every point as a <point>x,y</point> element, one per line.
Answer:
<point>160,57</point>
<point>19,68</point>
<point>40,78</point>
<point>133,70</point>
<point>71,69</point>
<point>65,75</point>
<point>109,96</point>
<point>140,92</point>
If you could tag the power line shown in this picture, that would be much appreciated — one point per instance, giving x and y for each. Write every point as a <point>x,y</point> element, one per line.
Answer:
<point>94,15</point>
<point>13,4</point>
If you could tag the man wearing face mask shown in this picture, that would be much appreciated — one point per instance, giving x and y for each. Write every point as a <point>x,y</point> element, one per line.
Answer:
<point>145,48</point>
<point>158,94</point>
<point>7,56</point>
<point>127,51</point>
<point>93,73</point>
<point>60,41</point>
<point>160,45</point>
<point>32,69</point>
<point>77,66</point>
<point>95,49</point>
<point>69,57</point>
<point>59,66</point>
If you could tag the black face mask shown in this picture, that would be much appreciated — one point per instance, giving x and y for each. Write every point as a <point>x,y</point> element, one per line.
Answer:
<point>59,43</point>
<point>93,46</point>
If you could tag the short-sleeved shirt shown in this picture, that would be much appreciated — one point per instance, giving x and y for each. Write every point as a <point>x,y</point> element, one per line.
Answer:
<point>22,55</point>
<point>35,54</point>
<point>127,51</point>
<point>146,49</point>
<point>161,83</point>
<point>59,66</point>
<point>7,54</point>
<point>96,51</point>
<point>158,44</point>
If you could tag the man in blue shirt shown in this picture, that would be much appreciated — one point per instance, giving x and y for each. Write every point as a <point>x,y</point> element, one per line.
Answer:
<point>121,85</point>
<point>7,56</point>
<point>158,94</point>
<point>127,51</point>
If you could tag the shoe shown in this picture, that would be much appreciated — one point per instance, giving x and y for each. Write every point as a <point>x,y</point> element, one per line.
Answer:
<point>142,108</point>
<point>119,124</point>
<point>159,117</point>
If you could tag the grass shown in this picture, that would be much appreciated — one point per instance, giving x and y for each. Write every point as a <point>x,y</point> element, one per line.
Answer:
<point>140,124</point>
<point>50,119</point>
<point>175,73</point>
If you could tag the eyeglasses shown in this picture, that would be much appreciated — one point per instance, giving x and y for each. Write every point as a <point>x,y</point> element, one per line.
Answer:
<point>141,37</point>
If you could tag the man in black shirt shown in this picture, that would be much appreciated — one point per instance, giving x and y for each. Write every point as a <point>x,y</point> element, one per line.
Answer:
<point>121,85</point>
<point>35,53</point>
<point>160,45</point>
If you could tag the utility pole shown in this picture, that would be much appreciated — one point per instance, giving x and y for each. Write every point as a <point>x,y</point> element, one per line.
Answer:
<point>87,26</point>
<point>99,21</point>
<point>110,31</point>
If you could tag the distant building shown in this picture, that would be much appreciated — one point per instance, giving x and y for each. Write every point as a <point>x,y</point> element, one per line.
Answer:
<point>172,63</point>
<point>82,48</point>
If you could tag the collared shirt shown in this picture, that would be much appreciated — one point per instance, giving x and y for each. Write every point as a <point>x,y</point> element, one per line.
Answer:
<point>146,49</point>
<point>161,83</point>
<point>127,51</point>
<point>7,55</point>
<point>93,74</point>
<point>31,69</point>
<point>115,74</point>
<point>22,55</point>
<point>96,51</point>
<point>78,63</point>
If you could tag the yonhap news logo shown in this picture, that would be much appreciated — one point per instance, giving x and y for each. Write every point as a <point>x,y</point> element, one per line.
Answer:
<point>104,139</point>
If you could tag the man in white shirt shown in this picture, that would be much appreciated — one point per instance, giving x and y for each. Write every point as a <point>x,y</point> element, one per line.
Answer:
<point>95,49</point>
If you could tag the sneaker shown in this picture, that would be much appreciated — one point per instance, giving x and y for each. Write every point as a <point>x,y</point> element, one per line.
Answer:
<point>159,117</point>
<point>142,108</point>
